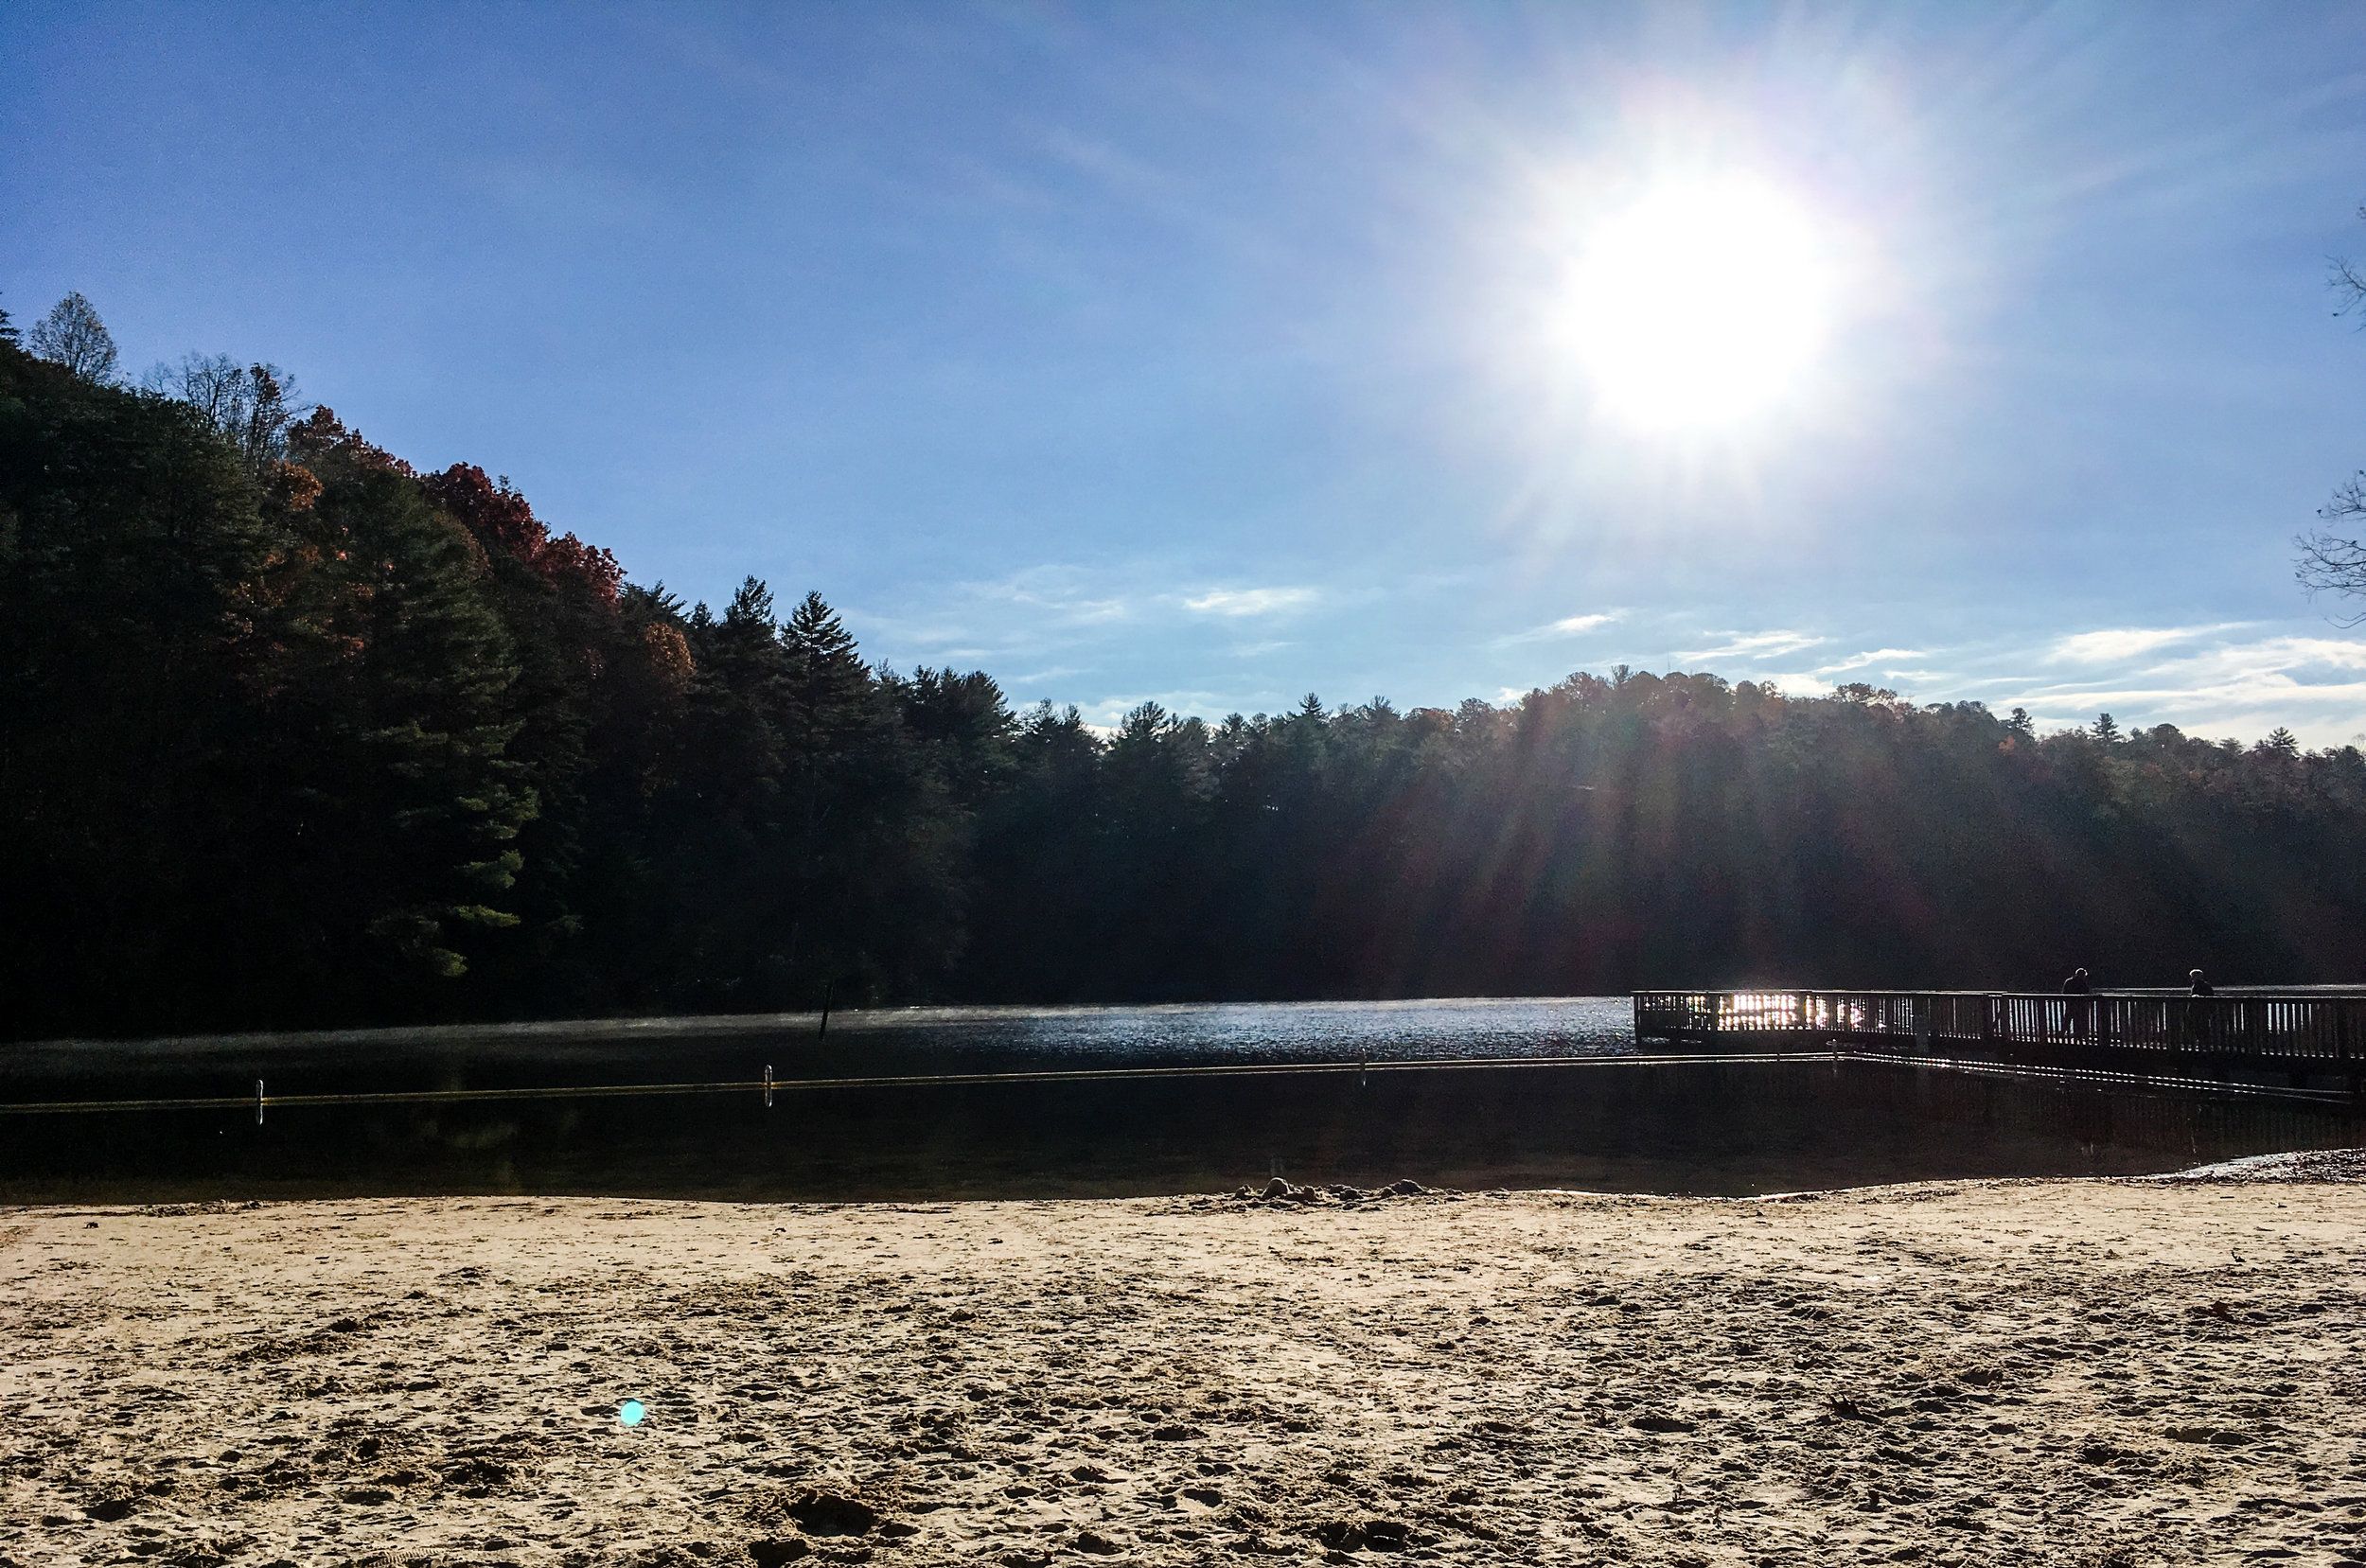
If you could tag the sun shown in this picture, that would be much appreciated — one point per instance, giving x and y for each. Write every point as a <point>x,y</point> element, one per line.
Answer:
<point>1702,305</point>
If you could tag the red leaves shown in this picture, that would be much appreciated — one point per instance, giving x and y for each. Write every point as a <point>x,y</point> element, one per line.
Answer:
<point>295,488</point>
<point>501,519</point>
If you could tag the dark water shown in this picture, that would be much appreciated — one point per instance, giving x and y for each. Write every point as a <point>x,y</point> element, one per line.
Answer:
<point>858,1044</point>
<point>1613,1124</point>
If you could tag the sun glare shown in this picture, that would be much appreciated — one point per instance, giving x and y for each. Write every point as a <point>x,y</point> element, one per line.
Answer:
<point>1702,305</point>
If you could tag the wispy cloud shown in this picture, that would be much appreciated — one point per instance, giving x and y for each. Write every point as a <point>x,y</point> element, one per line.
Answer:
<point>2124,643</point>
<point>1568,626</point>
<point>1250,601</point>
<point>1884,659</point>
<point>1754,646</point>
<point>1059,589</point>
<point>1038,616</point>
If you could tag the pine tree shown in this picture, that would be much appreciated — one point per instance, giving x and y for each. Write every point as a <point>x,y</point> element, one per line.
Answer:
<point>830,686</point>
<point>390,700</point>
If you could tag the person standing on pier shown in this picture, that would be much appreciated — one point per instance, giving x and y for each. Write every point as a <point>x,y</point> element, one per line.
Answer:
<point>2197,1012</point>
<point>2076,1012</point>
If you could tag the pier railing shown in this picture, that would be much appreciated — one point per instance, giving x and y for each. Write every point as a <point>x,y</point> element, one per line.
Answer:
<point>2299,1034</point>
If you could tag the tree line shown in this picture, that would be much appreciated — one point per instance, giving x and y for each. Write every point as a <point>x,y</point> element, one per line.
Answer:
<point>293,734</point>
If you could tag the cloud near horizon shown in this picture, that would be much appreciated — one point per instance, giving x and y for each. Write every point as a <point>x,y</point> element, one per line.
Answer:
<point>2194,678</point>
<point>1754,646</point>
<point>2314,685</point>
<point>1067,627</point>
<point>1882,659</point>
<point>2124,643</point>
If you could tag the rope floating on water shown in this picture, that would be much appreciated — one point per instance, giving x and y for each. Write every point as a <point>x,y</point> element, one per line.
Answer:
<point>769,1085</point>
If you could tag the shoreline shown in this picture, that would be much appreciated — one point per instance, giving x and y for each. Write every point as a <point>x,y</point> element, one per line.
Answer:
<point>2116,1371</point>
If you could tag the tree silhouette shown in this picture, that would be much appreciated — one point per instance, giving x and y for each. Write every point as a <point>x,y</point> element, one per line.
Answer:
<point>253,406</point>
<point>72,335</point>
<point>292,733</point>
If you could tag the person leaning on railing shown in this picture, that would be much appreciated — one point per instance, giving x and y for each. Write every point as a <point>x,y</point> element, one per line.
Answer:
<point>2076,1012</point>
<point>2197,1012</point>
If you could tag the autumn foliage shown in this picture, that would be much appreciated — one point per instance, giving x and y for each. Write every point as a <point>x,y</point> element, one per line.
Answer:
<point>501,519</point>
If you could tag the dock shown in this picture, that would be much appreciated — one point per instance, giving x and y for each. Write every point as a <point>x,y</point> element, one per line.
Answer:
<point>2303,1039</point>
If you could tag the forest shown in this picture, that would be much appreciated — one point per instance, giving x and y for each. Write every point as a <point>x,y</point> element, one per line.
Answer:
<point>294,734</point>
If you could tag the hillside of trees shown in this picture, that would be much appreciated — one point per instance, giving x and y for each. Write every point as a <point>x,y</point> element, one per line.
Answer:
<point>293,734</point>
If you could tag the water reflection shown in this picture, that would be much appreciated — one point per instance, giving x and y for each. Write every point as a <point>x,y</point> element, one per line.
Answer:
<point>1710,1127</point>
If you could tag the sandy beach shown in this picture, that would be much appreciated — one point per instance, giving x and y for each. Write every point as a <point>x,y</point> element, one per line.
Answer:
<point>2109,1373</point>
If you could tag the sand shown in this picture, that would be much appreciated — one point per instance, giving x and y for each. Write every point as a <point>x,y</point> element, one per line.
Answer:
<point>2114,1372</point>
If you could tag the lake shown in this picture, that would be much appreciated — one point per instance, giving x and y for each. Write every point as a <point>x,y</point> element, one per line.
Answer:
<point>1489,1112</point>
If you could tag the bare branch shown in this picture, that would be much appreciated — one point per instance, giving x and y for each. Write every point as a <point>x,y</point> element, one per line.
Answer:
<point>250,405</point>
<point>2349,282</point>
<point>2348,502</point>
<point>2332,564</point>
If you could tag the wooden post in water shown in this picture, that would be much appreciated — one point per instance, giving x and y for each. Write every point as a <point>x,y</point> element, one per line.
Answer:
<point>258,1102</point>
<point>767,1086</point>
<point>828,992</point>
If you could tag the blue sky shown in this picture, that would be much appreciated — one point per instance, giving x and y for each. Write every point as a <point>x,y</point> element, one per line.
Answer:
<point>1216,354</point>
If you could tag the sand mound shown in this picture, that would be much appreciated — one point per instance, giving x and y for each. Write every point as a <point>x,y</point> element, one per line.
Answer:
<point>2309,1165</point>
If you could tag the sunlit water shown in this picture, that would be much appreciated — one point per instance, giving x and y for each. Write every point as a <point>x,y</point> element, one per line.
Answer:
<point>856,1043</point>
<point>1261,1032</point>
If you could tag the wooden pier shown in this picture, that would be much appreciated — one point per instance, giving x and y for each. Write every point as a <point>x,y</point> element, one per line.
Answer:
<point>2297,1038</point>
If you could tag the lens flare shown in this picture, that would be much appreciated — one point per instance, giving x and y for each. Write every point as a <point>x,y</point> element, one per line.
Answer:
<point>1702,305</point>
<point>630,1411</point>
